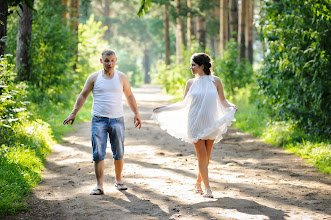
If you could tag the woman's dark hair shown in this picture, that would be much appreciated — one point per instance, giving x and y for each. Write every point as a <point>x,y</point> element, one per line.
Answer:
<point>205,59</point>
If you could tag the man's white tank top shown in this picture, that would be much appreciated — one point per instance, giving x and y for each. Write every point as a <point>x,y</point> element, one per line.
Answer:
<point>107,96</point>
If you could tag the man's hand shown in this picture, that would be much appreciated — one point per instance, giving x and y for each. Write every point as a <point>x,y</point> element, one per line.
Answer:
<point>70,119</point>
<point>137,121</point>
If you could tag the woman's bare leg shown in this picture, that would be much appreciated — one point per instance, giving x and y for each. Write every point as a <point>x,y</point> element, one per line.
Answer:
<point>209,146</point>
<point>201,151</point>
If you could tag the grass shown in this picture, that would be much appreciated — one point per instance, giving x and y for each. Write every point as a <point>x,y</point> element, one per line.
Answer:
<point>25,148</point>
<point>21,163</point>
<point>287,135</point>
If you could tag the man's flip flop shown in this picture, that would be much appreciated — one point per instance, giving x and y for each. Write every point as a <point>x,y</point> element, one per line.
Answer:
<point>96,192</point>
<point>121,186</point>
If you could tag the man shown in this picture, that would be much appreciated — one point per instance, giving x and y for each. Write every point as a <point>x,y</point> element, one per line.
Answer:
<point>107,86</point>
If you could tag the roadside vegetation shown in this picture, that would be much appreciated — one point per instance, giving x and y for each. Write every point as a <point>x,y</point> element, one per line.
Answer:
<point>284,99</point>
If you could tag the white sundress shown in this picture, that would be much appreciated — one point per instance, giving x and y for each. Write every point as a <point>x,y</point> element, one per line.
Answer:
<point>199,116</point>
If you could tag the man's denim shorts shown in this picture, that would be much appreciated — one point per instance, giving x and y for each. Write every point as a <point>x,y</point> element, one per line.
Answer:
<point>102,126</point>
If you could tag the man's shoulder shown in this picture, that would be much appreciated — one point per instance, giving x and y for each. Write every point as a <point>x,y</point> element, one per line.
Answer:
<point>122,75</point>
<point>92,78</point>
<point>94,75</point>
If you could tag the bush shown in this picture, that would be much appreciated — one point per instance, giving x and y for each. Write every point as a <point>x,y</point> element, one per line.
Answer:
<point>234,75</point>
<point>296,77</point>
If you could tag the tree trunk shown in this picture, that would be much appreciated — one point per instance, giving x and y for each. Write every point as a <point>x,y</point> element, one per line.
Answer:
<point>223,24</point>
<point>74,21</point>
<point>74,15</point>
<point>189,24</point>
<point>179,32</point>
<point>216,39</point>
<point>166,35</point>
<point>247,27</point>
<point>147,67</point>
<point>201,32</point>
<point>241,35</point>
<point>23,42</point>
<point>107,20</point>
<point>250,33</point>
<point>3,25</point>
<point>233,33</point>
<point>65,13</point>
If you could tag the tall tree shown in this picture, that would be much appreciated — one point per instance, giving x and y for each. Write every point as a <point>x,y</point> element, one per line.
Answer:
<point>3,25</point>
<point>250,30</point>
<point>241,34</point>
<point>65,13</point>
<point>107,21</point>
<point>147,66</point>
<point>189,23</point>
<point>215,41</point>
<point>6,8</point>
<point>223,24</point>
<point>180,36</point>
<point>74,21</point>
<point>233,19</point>
<point>23,42</point>
<point>166,35</point>
<point>201,31</point>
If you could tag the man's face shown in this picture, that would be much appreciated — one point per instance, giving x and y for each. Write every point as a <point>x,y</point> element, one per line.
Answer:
<point>108,62</point>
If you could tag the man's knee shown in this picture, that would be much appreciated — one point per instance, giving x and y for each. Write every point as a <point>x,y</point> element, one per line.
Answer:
<point>119,154</point>
<point>97,156</point>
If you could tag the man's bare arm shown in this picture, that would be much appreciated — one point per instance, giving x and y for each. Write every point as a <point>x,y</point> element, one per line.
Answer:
<point>131,100</point>
<point>81,99</point>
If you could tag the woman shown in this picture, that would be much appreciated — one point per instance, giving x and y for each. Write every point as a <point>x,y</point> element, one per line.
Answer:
<point>201,117</point>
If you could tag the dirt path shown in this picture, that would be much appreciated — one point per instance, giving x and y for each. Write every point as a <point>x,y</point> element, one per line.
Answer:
<point>249,179</point>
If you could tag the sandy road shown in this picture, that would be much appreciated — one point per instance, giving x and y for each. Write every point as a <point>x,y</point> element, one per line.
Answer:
<point>249,179</point>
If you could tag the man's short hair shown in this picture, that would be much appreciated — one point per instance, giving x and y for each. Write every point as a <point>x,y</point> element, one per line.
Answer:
<point>107,52</point>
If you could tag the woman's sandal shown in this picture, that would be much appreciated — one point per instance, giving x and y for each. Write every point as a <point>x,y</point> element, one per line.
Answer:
<point>198,189</point>
<point>208,193</point>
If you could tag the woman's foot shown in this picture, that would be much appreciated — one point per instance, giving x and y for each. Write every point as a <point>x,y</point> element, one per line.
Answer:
<point>208,193</point>
<point>198,188</point>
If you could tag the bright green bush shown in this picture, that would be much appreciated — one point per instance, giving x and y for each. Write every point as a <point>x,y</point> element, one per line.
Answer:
<point>316,153</point>
<point>21,163</point>
<point>296,77</point>
<point>250,117</point>
<point>234,75</point>
<point>13,96</point>
<point>91,44</point>
<point>174,77</point>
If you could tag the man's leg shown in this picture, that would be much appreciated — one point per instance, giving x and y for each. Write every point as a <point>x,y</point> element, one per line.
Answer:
<point>118,170</point>
<point>117,145</point>
<point>99,173</point>
<point>99,144</point>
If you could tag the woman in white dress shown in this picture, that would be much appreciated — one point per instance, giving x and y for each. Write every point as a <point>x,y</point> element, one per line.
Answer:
<point>201,118</point>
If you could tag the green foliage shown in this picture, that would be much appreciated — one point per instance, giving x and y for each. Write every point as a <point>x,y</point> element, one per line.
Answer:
<point>316,153</point>
<point>282,133</point>
<point>250,117</point>
<point>21,162</point>
<point>294,140</point>
<point>52,53</point>
<point>296,77</point>
<point>91,44</point>
<point>144,5</point>
<point>12,95</point>
<point>174,77</point>
<point>24,144</point>
<point>234,75</point>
